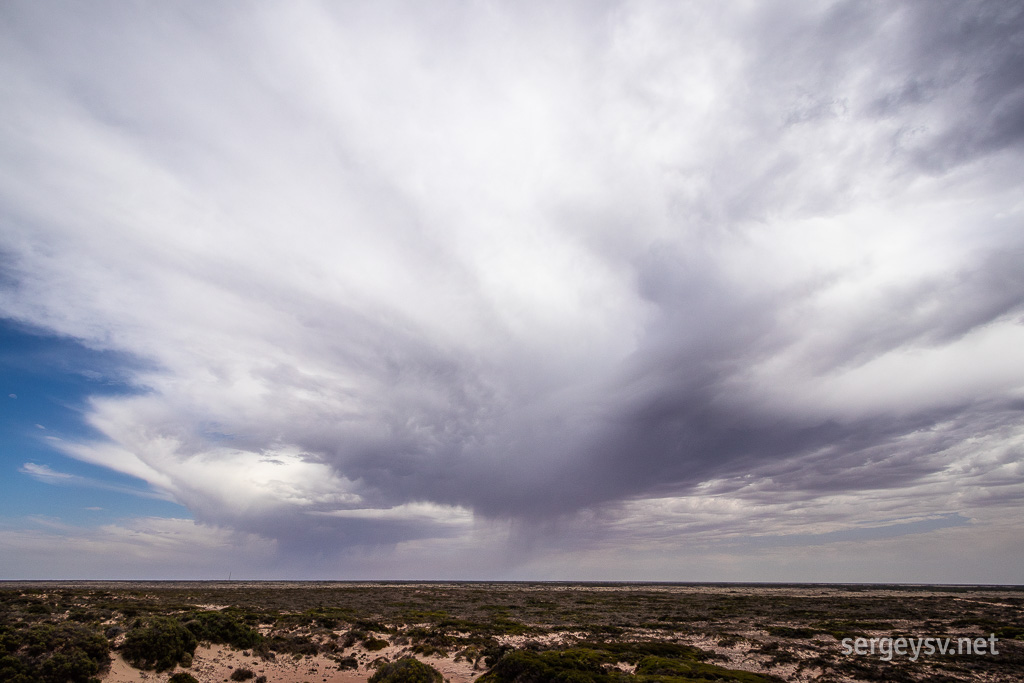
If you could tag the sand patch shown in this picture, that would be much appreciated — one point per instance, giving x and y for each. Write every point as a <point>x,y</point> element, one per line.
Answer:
<point>216,663</point>
<point>123,672</point>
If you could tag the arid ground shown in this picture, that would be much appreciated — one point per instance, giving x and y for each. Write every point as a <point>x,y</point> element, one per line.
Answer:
<point>293,632</point>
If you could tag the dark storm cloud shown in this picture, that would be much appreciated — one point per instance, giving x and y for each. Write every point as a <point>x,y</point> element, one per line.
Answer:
<point>970,51</point>
<point>395,269</point>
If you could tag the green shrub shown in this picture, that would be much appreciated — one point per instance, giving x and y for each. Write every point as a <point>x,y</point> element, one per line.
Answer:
<point>241,674</point>
<point>494,652</point>
<point>68,666</point>
<point>161,644</point>
<point>633,652</point>
<point>49,653</point>
<point>791,632</point>
<point>575,665</point>
<point>593,665</point>
<point>374,644</point>
<point>663,668</point>
<point>349,662</point>
<point>218,627</point>
<point>1010,632</point>
<point>406,670</point>
<point>294,645</point>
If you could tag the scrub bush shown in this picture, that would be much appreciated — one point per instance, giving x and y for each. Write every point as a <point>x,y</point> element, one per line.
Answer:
<point>406,670</point>
<point>590,665</point>
<point>52,653</point>
<point>161,644</point>
<point>373,644</point>
<point>218,627</point>
<point>349,662</point>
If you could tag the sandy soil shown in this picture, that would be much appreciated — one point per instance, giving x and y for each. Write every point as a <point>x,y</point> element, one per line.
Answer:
<point>215,663</point>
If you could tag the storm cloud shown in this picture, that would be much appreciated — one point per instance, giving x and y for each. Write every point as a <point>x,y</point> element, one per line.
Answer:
<point>407,273</point>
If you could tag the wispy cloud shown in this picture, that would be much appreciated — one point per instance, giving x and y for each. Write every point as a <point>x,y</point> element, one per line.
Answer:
<point>48,475</point>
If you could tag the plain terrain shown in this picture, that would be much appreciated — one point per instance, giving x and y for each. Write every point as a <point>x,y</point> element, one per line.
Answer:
<point>497,632</point>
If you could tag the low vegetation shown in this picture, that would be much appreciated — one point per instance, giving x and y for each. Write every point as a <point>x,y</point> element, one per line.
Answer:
<point>602,663</point>
<point>51,653</point>
<point>406,670</point>
<point>224,628</point>
<point>511,633</point>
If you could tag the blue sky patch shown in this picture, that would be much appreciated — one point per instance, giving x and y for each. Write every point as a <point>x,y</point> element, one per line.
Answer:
<point>46,384</point>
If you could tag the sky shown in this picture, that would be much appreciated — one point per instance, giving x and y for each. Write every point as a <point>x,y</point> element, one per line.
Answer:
<point>662,291</point>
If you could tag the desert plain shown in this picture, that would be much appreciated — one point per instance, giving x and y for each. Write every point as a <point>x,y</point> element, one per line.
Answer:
<point>344,632</point>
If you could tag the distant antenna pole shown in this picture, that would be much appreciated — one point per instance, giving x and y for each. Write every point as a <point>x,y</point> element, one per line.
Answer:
<point>229,576</point>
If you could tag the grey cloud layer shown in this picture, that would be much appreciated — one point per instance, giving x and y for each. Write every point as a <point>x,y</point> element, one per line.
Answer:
<point>522,261</point>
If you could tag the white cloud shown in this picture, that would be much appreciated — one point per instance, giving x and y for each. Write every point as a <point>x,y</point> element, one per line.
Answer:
<point>140,548</point>
<point>46,473</point>
<point>395,272</point>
